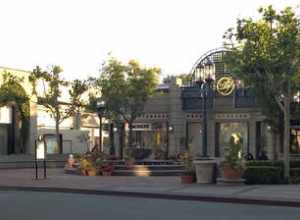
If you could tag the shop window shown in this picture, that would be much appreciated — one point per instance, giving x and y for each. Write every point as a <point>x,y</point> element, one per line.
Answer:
<point>225,132</point>
<point>51,144</point>
<point>295,141</point>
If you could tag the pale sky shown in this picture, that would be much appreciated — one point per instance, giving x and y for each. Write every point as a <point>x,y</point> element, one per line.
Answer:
<point>78,34</point>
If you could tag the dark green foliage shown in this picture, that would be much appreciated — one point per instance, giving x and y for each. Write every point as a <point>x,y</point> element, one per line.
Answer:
<point>295,163</point>
<point>295,172</point>
<point>12,93</point>
<point>233,152</point>
<point>263,175</point>
<point>265,54</point>
<point>125,89</point>
<point>276,163</point>
<point>294,180</point>
<point>270,172</point>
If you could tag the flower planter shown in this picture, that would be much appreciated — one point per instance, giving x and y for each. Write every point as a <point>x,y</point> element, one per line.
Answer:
<point>205,170</point>
<point>231,173</point>
<point>91,172</point>
<point>187,179</point>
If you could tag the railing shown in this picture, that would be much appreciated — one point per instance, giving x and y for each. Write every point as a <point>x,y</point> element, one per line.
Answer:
<point>244,98</point>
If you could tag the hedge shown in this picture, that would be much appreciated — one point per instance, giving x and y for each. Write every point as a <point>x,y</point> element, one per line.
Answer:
<point>263,175</point>
<point>270,172</point>
<point>277,163</point>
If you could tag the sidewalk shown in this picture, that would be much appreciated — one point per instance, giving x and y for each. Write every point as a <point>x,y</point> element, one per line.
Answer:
<point>154,187</point>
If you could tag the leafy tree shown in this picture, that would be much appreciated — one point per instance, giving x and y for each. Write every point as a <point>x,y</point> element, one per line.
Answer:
<point>126,89</point>
<point>265,53</point>
<point>12,93</point>
<point>51,93</point>
<point>186,78</point>
<point>78,87</point>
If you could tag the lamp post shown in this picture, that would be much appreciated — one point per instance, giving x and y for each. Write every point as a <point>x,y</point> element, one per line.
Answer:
<point>100,111</point>
<point>205,166</point>
<point>205,84</point>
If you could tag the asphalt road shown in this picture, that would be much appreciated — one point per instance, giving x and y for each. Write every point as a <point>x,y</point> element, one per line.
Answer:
<point>55,206</point>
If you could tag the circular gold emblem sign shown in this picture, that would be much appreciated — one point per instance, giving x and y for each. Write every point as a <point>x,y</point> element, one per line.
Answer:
<point>225,85</point>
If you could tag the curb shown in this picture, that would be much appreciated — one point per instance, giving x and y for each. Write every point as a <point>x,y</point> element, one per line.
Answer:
<point>218,199</point>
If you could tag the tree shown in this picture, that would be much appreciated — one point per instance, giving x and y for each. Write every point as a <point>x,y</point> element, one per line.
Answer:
<point>13,94</point>
<point>266,54</point>
<point>186,78</point>
<point>51,92</point>
<point>78,88</point>
<point>126,89</point>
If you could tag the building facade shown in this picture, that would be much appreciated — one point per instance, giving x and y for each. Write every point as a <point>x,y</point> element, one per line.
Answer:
<point>213,105</point>
<point>78,134</point>
<point>199,116</point>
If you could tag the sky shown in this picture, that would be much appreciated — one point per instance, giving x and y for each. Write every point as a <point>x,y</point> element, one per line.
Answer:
<point>79,34</point>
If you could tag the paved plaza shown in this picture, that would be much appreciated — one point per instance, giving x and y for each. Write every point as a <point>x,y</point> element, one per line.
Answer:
<point>155,187</point>
<point>44,205</point>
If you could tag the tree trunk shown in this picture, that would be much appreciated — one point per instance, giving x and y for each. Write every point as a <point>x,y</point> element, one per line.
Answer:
<point>286,143</point>
<point>100,149</point>
<point>130,134</point>
<point>57,135</point>
<point>112,139</point>
<point>121,140</point>
<point>276,145</point>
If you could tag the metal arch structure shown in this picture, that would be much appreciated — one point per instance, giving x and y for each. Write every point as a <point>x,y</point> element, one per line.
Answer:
<point>209,58</point>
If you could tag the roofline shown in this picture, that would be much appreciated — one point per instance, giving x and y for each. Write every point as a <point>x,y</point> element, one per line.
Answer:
<point>15,69</point>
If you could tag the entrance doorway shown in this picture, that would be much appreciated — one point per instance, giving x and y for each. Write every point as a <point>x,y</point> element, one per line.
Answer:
<point>295,141</point>
<point>224,131</point>
<point>3,139</point>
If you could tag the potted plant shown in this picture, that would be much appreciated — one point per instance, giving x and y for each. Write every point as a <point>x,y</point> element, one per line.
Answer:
<point>87,168</point>
<point>107,169</point>
<point>233,164</point>
<point>189,170</point>
<point>129,158</point>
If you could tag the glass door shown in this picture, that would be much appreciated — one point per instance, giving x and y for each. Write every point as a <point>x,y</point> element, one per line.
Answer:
<point>295,141</point>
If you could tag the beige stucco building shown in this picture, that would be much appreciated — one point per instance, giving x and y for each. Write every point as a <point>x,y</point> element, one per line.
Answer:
<point>40,123</point>
<point>205,111</point>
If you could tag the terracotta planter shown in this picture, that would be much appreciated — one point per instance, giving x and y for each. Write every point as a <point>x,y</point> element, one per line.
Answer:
<point>91,172</point>
<point>187,179</point>
<point>231,173</point>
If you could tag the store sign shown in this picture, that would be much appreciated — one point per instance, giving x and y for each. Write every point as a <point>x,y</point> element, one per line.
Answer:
<point>225,85</point>
<point>228,116</point>
<point>40,150</point>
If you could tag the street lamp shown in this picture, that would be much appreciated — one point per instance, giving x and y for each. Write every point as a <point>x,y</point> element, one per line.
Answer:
<point>205,85</point>
<point>100,111</point>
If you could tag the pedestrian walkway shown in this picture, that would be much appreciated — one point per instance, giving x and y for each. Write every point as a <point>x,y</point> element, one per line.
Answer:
<point>154,186</point>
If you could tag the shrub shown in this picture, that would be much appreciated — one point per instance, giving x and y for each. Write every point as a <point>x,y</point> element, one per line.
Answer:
<point>270,172</point>
<point>262,175</point>
<point>295,172</point>
<point>294,180</point>
<point>271,163</point>
<point>295,163</point>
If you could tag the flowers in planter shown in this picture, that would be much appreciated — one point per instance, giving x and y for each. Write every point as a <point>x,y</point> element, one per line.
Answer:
<point>189,174</point>
<point>87,167</point>
<point>234,164</point>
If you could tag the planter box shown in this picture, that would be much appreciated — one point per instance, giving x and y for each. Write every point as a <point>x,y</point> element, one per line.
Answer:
<point>187,179</point>
<point>205,170</point>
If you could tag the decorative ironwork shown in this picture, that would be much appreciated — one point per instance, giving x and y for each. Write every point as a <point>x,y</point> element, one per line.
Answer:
<point>209,65</point>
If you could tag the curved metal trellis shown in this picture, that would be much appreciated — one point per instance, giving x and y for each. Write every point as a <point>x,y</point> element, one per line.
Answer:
<point>209,65</point>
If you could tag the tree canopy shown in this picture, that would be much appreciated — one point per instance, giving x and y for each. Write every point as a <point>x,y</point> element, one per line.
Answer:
<point>12,93</point>
<point>125,88</point>
<point>51,93</point>
<point>265,53</point>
